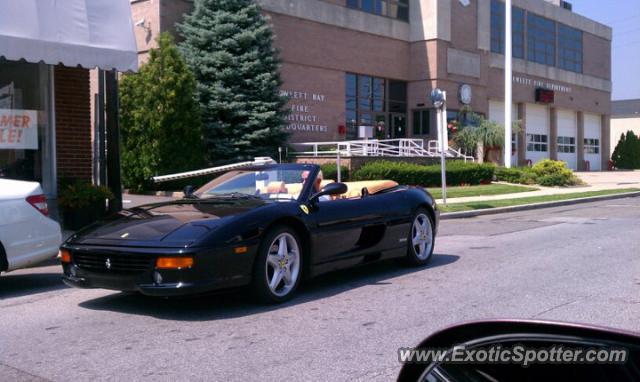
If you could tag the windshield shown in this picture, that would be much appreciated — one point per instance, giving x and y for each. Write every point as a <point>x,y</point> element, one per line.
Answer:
<point>276,183</point>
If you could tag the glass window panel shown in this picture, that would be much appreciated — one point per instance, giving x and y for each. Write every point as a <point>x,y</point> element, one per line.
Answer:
<point>378,104</point>
<point>365,103</point>
<point>350,84</point>
<point>416,122</point>
<point>352,3</point>
<point>366,119</point>
<point>364,86</point>
<point>367,5</point>
<point>426,122</point>
<point>398,91</point>
<point>350,116</point>
<point>378,88</point>
<point>350,103</point>
<point>397,107</point>
<point>380,7</point>
<point>540,39</point>
<point>403,13</point>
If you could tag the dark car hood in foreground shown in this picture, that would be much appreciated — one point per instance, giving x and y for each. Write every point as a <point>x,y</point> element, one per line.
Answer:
<point>168,224</point>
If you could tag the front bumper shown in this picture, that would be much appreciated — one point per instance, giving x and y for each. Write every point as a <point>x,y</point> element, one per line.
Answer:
<point>212,270</point>
<point>151,289</point>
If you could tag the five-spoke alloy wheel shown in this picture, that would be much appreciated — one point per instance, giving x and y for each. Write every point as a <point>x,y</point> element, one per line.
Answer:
<point>278,266</point>
<point>421,238</point>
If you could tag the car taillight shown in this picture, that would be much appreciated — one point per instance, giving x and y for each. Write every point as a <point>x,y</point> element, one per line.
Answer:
<point>39,202</point>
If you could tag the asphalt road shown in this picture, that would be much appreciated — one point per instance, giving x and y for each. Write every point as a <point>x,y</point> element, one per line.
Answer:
<point>578,263</point>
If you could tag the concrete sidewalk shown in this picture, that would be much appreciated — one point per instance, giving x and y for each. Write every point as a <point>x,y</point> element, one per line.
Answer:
<point>594,181</point>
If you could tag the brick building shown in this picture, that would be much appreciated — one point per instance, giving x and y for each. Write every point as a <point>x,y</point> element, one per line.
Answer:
<point>354,63</point>
<point>44,82</point>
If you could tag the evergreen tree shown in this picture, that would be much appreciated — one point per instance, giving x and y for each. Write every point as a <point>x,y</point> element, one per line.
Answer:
<point>160,118</point>
<point>228,45</point>
<point>627,152</point>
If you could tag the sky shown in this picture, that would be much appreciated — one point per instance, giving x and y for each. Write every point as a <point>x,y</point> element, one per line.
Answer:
<point>624,17</point>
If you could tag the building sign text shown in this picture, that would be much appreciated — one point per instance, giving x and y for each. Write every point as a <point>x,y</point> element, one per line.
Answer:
<point>302,116</point>
<point>18,129</point>
<point>541,84</point>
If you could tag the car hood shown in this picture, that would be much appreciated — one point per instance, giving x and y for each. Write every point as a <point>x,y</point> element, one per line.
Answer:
<point>169,224</point>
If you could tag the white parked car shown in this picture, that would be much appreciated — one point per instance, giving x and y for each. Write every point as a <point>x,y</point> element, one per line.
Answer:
<point>27,235</point>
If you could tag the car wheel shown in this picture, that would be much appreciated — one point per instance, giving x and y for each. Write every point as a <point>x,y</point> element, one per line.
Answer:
<point>421,239</point>
<point>278,267</point>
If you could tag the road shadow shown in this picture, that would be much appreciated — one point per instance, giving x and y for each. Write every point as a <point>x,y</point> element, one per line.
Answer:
<point>239,303</point>
<point>19,285</point>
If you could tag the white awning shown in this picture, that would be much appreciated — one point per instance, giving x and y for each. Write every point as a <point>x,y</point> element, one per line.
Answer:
<point>89,33</point>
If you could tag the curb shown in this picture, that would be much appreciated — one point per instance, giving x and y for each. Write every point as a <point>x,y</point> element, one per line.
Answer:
<point>535,206</point>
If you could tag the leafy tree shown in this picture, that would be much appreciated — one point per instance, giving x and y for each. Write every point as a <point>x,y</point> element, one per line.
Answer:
<point>160,118</point>
<point>626,155</point>
<point>481,132</point>
<point>228,45</point>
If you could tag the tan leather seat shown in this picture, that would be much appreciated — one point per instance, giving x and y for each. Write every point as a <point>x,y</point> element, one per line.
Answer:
<point>277,188</point>
<point>296,188</point>
<point>354,189</point>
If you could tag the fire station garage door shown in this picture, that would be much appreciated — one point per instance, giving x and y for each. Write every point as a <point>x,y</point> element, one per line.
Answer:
<point>567,138</point>
<point>537,130</point>
<point>592,140</point>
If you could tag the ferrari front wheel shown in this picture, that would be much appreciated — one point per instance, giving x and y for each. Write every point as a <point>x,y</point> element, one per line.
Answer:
<point>421,238</point>
<point>278,267</point>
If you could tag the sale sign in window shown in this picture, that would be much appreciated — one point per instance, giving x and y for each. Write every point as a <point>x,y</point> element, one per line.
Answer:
<point>18,129</point>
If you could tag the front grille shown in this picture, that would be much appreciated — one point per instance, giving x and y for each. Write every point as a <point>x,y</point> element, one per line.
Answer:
<point>114,263</point>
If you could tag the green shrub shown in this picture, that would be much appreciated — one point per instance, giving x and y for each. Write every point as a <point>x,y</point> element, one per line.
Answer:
<point>521,175</point>
<point>81,194</point>
<point>330,171</point>
<point>547,172</point>
<point>458,173</point>
<point>554,173</point>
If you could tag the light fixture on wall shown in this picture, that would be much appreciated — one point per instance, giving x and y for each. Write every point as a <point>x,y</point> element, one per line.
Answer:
<point>142,23</point>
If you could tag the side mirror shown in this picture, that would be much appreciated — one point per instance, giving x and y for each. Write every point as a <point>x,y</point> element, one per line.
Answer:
<point>330,189</point>
<point>520,350</point>
<point>188,191</point>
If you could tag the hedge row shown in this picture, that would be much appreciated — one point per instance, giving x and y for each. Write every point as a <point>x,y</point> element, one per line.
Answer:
<point>330,171</point>
<point>458,173</point>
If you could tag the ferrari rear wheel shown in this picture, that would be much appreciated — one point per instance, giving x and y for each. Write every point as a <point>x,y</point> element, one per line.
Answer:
<point>279,266</point>
<point>421,239</point>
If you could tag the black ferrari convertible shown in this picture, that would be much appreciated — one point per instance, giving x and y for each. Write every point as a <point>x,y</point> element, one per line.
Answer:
<point>267,226</point>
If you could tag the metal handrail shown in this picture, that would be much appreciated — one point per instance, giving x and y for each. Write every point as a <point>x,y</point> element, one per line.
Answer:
<point>404,147</point>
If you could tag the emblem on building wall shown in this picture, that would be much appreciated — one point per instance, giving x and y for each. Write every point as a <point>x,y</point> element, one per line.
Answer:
<point>464,94</point>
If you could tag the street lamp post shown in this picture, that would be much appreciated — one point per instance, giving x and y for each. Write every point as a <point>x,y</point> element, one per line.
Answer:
<point>507,84</point>
<point>439,100</point>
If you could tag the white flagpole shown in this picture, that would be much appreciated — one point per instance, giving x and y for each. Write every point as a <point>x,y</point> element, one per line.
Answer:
<point>508,58</point>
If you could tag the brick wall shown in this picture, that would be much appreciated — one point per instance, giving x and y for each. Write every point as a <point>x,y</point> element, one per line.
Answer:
<point>73,123</point>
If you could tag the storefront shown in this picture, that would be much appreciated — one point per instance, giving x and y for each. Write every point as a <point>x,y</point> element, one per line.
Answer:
<point>45,113</point>
<point>26,123</point>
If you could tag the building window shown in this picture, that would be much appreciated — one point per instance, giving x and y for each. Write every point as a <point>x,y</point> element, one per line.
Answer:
<point>497,29</point>
<point>591,146</point>
<point>541,39</point>
<point>566,145</point>
<point>396,9</point>
<point>569,48</point>
<point>421,122</point>
<point>537,143</point>
<point>26,149</point>
<point>369,102</point>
